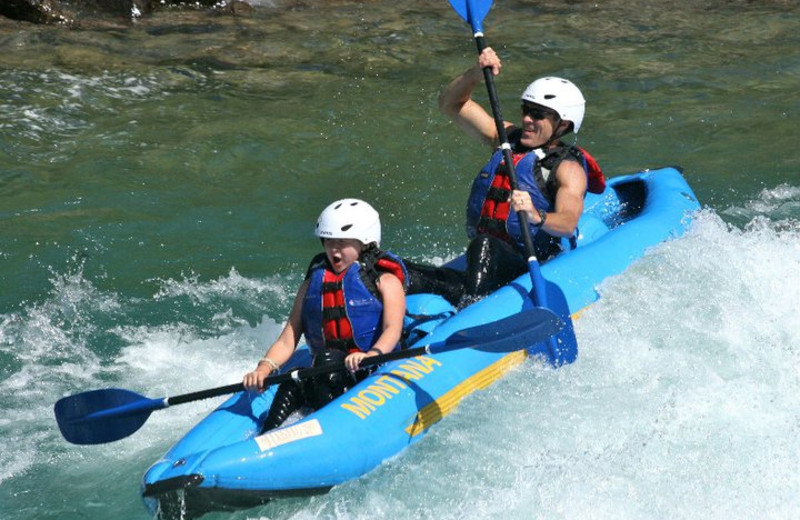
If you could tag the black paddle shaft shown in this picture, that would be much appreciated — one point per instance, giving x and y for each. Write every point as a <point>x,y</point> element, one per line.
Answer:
<point>292,374</point>
<point>107,415</point>
<point>504,335</point>
<point>503,136</point>
<point>205,394</point>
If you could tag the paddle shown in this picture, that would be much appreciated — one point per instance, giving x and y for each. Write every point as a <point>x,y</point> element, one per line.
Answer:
<point>473,12</point>
<point>106,415</point>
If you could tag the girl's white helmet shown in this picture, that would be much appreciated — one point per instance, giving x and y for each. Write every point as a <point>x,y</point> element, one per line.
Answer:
<point>350,218</point>
<point>560,95</point>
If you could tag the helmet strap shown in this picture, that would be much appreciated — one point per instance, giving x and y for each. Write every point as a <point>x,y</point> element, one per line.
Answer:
<point>556,134</point>
<point>367,248</point>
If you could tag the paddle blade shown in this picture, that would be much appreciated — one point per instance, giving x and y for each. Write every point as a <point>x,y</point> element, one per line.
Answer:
<point>473,12</point>
<point>562,348</point>
<point>506,335</point>
<point>105,415</point>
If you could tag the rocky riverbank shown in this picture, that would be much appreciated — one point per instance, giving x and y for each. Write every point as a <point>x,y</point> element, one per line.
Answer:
<point>104,12</point>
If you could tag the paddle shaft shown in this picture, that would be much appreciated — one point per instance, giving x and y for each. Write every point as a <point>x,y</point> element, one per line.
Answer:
<point>504,335</point>
<point>539,295</point>
<point>297,374</point>
<point>141,407</point>
<point>106,415</point>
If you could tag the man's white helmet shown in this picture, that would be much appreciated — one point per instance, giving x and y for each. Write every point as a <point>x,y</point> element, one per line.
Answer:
<point>350,218</point>
<point>560,95</point>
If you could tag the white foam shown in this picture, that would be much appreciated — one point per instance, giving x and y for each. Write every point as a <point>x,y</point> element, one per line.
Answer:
<point>53,344</point>
<point>683,398</point>
<point>682,402</point>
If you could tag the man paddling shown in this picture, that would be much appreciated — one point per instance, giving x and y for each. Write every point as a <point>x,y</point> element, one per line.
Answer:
<point>553,175</point>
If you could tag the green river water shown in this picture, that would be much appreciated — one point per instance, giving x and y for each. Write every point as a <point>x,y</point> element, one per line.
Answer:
<point>160,182</point>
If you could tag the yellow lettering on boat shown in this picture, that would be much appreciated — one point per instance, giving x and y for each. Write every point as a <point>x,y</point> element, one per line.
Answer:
<point>387,386</point>
<point>429,362</point>
<point>358,407</point>
<point>414,370</point>
<point>372,397</point>
<point>384,385</point>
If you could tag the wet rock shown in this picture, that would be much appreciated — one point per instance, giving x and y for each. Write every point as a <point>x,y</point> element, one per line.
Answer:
<point>99,12</point>
<point>238,8</point>
<point>37,11</point>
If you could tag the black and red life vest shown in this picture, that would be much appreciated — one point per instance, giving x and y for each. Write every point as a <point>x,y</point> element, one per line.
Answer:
<point>344,311</point>
<point>488,208</point>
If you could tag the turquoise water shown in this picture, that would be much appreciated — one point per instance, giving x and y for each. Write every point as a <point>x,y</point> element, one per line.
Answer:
<point>160,184</point>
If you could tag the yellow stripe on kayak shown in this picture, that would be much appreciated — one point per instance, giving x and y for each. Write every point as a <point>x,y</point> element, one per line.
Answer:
<point>436,410</point>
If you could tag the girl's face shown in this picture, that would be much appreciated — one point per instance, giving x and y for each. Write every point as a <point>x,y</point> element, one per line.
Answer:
<point>342,252</point>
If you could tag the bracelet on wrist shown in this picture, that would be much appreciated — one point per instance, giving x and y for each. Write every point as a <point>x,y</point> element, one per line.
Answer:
<point>269,361</point>
<point>542,216</point>
<point>373,349</point>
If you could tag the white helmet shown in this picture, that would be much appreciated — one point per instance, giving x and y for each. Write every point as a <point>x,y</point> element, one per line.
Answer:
<point>350,218</point>
<point>560,95</point>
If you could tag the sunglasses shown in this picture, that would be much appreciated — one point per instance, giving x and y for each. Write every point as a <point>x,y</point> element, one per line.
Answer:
<point>536,112</point>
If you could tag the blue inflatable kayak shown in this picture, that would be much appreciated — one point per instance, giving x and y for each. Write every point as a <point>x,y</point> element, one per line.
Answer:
<point>223,463</point>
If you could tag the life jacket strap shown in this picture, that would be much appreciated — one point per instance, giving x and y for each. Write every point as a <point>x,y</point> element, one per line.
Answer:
<point>333,313</point>
<point>498,194</point>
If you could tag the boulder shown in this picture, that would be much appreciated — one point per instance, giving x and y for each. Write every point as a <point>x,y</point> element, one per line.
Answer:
<point>88,12</point>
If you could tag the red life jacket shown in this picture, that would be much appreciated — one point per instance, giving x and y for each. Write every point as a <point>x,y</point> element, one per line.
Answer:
<point>596,181</point>
<point>343,311</point>
<point>336,327</point>
<point>496,205</point>
<point>488,207</point>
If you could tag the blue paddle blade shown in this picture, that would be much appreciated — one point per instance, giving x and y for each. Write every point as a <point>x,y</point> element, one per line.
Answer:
<point>105,415</point>
<point>509,334</point>
<point>562,348</point>
<point>473,12</point>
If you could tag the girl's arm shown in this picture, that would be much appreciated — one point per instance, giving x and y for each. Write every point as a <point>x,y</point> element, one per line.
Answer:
<point>283,348</point>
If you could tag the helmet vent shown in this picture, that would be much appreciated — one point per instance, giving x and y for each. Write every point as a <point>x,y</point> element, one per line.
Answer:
<point>349,218</point>
<point>559,95</point>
